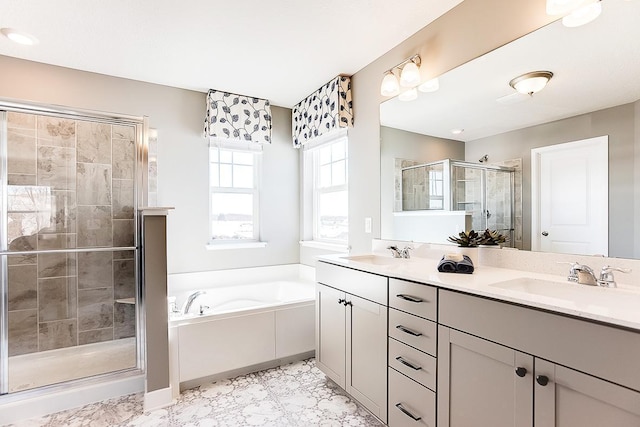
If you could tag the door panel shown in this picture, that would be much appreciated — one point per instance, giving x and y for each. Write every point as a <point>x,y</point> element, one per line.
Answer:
<point>330,334</point>
<point>574,399</point>
<point>367,354</point>
<point>478,385</point>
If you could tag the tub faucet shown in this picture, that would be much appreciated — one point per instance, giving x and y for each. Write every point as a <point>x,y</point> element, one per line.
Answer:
<point>190,300</point>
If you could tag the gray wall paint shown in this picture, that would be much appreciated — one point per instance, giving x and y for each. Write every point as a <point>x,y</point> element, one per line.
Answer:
<point>471,29</point>
<point>400,144</point>
<point>183,159</point>
<point>618,123</point>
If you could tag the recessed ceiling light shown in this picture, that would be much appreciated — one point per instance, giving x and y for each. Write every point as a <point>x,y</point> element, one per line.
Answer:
<point>18,36</point>
<point>457,131</point>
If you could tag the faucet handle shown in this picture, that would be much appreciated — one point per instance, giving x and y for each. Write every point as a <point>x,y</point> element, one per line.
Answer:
<point>606,275</point>
<point>573,272</point>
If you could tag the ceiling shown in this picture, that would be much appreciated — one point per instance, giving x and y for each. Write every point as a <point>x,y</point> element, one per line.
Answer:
<point>595,66</point>
<point>281,50</point>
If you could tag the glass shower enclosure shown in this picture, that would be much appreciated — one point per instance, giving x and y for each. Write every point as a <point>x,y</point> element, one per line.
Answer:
<point>70,295</point>
<point>486,192</point>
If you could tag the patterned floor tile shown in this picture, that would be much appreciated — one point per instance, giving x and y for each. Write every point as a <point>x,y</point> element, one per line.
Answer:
<point>294,395</point>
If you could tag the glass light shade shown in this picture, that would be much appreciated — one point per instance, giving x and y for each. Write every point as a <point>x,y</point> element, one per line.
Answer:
<point>410,75</point>
<point>19,37</point>
<point>430,85</point>
<point>408,95</point>
<point>390,85</point>
<point>532,82</point>
<point>583,15</point>
<point>559,7</point>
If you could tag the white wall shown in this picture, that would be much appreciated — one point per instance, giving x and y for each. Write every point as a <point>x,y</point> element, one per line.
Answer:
<point>182,158</point>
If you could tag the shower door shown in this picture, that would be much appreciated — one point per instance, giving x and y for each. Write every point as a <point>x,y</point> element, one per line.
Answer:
<point>68,246</point>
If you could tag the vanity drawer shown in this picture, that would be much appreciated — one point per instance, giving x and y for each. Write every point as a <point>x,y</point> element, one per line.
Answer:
<point>365,285</point>
<point>415,364</point>
<point>414,298</point>
<point>413,330</point>
<point>410,404</point>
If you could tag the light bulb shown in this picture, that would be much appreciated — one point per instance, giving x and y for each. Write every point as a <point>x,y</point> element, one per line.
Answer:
<point>410,75</point>
<point>390,85</point>
<point>408,95</point>
<point>583,15</point>
<point>430,85</point>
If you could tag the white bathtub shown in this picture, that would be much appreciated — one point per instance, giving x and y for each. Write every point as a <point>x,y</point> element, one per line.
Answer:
<point>244,326</point>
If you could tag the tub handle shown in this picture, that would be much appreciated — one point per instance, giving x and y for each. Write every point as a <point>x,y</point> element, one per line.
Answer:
<point>409,298</point>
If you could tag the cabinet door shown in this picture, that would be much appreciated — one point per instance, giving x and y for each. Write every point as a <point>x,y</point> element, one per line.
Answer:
<point>479,383</point>
<point>367,354</point>
<point>330,333</point>
<point>567,398</point>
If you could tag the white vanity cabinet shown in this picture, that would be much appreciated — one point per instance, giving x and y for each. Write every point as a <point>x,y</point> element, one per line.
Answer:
<point>351,333</point>
<point>412,351</point>
<point>494,368</point>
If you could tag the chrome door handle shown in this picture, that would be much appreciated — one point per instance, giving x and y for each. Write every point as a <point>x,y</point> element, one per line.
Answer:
<point>545,233</point>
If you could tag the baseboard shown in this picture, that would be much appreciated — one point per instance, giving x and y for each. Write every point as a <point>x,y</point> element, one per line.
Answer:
<point>158,399</point>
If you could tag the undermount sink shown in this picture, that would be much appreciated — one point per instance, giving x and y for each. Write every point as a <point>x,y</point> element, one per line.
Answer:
<point>375,259</point>
<point>577,294</point>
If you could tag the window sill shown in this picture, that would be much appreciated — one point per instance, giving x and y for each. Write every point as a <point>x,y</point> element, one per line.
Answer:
<point>239,245</point>
<point>337,247</point>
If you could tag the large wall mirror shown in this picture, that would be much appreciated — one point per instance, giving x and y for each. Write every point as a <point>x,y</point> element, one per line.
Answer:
<point>594,92</point>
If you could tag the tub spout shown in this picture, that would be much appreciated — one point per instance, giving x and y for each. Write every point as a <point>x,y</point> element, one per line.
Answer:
<point>190,300</point>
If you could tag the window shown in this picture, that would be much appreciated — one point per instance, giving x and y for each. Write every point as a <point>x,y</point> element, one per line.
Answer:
<point>234,186</point>
<point>326,191</point>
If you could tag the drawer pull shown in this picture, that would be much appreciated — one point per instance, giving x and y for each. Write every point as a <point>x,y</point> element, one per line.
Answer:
<point>410,298</point>
<point>409,364</point>
<point>407,413</point>
<point>408,331</point>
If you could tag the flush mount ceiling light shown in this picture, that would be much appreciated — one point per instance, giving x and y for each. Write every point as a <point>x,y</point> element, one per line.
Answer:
<point>408,95</point>
<point>531,82</point>
<point>583,15</point>
<point>430,85</point>
<point>409,71</point>
<point>19,37</point>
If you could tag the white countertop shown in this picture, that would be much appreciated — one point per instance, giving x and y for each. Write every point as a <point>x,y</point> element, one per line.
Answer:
<point>617,306</point>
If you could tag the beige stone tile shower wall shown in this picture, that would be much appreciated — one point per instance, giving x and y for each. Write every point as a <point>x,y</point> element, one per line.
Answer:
<point>70,185</point>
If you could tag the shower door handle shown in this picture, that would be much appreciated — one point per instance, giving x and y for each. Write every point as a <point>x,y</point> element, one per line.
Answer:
<point>545,233</point>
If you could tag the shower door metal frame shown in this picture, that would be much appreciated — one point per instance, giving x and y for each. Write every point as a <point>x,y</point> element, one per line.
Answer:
<point>140,124</point>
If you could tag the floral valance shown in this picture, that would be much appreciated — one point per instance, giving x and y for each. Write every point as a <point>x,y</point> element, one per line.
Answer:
<point>237,117</point>
<point>326,109</point>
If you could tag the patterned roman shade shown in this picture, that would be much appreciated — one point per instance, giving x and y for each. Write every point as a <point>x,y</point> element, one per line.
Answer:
<point>326,109</point>
<point>237,117</point>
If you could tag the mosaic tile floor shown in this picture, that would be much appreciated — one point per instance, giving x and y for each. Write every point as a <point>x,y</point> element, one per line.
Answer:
<point>297,394</point>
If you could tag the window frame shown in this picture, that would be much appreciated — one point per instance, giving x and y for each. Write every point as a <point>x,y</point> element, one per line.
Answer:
<point>312,189</point>
<point>256,151</point>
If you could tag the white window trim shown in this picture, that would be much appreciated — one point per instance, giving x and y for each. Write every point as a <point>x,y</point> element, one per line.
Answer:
<point>223,144</point>
<point>309,201</point>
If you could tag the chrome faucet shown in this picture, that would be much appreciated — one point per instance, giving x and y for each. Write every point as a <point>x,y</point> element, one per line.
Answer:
<point>400,253</point>
<point>190,300</point>
<point>584,275</point>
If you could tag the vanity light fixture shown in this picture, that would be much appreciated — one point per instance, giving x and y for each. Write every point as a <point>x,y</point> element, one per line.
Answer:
<point>430,85</point>
<point>19,37</point>
<point>409,76</point>
<point>532,82</point>
<point>408,95</point>
<point>390,85</point>
<point>583,15</point>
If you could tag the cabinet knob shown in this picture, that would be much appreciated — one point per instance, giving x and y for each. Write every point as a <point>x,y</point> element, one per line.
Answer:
<point>349,303</point>
<point>543,380</point>
<point>521,372</point>
<point>342,301</point>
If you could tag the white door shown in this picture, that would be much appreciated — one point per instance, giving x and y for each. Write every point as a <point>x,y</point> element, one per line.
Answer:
<point>570,197</point>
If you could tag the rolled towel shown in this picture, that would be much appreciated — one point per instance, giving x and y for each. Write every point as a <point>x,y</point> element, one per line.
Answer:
<point>465,266</point>
<point>446,266</point>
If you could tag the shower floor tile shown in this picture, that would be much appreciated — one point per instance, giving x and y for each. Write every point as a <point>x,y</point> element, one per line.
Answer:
<point>296,395</point>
